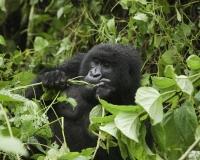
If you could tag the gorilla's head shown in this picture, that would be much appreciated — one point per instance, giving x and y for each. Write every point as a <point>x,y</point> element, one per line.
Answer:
<point>118,63</point>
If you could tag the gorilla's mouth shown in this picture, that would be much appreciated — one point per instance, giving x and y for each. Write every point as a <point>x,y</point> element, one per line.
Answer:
<point>92,80</point>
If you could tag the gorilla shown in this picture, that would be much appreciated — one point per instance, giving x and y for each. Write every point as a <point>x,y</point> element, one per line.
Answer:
<point>114,69</point>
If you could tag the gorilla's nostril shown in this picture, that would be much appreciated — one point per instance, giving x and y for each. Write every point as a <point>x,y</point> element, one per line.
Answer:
<point>97,75</point>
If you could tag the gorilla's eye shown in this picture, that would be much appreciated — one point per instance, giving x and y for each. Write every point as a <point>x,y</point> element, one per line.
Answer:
<point>95,61</point>
<point>106,65</point>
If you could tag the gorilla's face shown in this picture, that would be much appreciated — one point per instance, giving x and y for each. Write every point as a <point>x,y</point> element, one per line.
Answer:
<point>99,69</point>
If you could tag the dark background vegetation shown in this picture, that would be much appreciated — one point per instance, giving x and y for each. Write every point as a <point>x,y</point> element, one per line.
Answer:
<point>42,33</point>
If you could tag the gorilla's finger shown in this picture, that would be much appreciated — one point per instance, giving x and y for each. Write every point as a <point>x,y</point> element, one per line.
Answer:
<point>57,82</point>
<point>63,78</point>
<point>99,84</point>
<point>51,83</point>
<point>62,86</point>
<point>45,79</point>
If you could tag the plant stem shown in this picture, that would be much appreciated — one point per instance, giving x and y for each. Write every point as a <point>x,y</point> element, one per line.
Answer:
<point>99,139</point>
<point>22,87</point>
<point>9,127</point>
<point>189,149</point>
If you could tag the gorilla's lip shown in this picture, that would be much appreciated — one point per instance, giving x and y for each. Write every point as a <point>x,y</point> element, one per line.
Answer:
<point>92,80</point>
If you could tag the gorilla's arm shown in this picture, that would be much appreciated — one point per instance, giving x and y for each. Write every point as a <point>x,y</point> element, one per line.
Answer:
<point>55,78</point>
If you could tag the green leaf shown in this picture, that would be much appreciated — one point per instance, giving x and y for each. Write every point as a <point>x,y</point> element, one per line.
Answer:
<point>15,131</point>
<point>197,133</point>
<point>72,101</point>
<point>151,100</point>
<point>2,5</point>
<point>197,98</point>
<point>2,41</point>
<point>165,6</point>
<point>124,1</point>
<point>157,40</point>
<point>159,135</point>
<point>141,17</point>
<point>193,62</point>
<point>95,112</point>
<point>185,84</point>
<point>17,57</point>
<point>6,95</point>
<point>169,56</point>
<point>40,44</point>
<point>128,124</point>
<point>186,29</point>
<point>70,156</point>
<point>145,79</point>
<point>12,145</point>
<point>187,122</point>
<point>111,25</point>
<point>115,109</point>
<point>65,45</point>
<point>60,12</point>
<point>110,128</point>
<point>163,82</point>
<point>142,1</point>
<point>136,150</point>
<point>174,143</point>
<point>32,107</point>
<point>178,15</point>
<point>1,61</point>
<point>169,72</point>
<point>23,77</point>
<point>103,119</point>
<point>122,146</point>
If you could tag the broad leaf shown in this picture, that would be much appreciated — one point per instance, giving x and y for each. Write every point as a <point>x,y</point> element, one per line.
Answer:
<point>159,135</point>
<point>115,109</point>
<point>6,95</point>
<point>179,18</point>
<point>173,143</point>
<point>2,41</point>
<point>12,145</point>
<point>95,112</point>
<point>187,122</point>
<point>1,61</point>
<point>163,82</point>
<point>128,124</point>
<point>60,12</point>
<point>197,98</point>
<point>110,128</point>
<point>103,119</point>
<point>185,84</point>
<point>169,71</point>
<point>111,25</point>
<point>197,133</point>
<point>141,17</point>
<point>186,29</point>
<point>137,150</point>
<point>193,62</point>
<point>157,40</point>
<point>72,101</point>
<point>40,44</point>
<point>169,56</point>
<point>151,100</point>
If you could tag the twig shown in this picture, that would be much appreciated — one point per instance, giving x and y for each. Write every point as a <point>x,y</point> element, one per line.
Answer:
<point>189,149</point>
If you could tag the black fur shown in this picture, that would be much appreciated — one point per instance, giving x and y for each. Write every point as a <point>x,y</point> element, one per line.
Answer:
<point>115,71</point>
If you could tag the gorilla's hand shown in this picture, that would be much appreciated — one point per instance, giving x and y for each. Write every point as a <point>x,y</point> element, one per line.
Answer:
<point>54,79</point>
<point>103,89</point>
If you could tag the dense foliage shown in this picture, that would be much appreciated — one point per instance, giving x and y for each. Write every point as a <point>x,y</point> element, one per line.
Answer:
<point>42,33</point>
